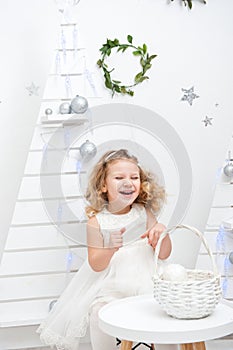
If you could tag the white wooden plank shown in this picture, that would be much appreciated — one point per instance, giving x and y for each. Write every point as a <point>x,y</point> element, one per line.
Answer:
<point>48,211</point>
<point>29,262</point>
<point>53,161</point>
<point>223,195</point>
<point>23,312</point>
<point>28,287</point>
<point>217,215</point>
<point>58,86</point>
<point>67,33</point>
<point>71,62</point>
<point>39,237</point>
<point>31,186</point>
<point>62,137</point>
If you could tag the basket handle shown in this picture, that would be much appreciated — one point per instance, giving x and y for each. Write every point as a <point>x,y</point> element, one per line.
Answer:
<point>193,229</point>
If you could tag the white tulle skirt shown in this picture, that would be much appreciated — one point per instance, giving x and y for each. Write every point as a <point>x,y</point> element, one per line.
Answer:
<point>129,273</point>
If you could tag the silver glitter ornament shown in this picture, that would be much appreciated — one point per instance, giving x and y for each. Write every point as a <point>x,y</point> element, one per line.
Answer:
<point>87,150</point>
<point>228,169</point>
<point>48,111</point>
<point>51,304</point>
<point>79,105</point>
<point>65,108</point>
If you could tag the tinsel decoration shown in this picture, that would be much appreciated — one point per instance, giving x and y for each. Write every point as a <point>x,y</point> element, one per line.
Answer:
<point>58,63</point>
<point>63,45</point>
<point>75,40</point>
<point>68,86</point>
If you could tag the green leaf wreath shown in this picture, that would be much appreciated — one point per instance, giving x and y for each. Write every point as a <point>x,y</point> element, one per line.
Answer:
<point>117,86</point>
<point>190,3</point>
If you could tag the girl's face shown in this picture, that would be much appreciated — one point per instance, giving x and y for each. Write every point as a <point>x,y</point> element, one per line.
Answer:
<point>122,185</point>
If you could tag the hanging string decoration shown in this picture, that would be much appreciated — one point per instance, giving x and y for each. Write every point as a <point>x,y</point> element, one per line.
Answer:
<point>141,52</point>
<point>190,3</point>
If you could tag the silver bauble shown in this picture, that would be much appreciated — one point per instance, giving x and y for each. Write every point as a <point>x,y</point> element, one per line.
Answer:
<point>51,304</point>
<point>65,108</point>
<point>48,111</point>
<point>231,257</point>
<point>228,170</point>
<point>79,105</point>
<point>87,150</point>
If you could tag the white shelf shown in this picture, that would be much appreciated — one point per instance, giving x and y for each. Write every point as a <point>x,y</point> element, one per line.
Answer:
<point>63,119</point>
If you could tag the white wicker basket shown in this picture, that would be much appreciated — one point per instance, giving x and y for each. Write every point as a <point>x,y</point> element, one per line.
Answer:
<point>191,299</point>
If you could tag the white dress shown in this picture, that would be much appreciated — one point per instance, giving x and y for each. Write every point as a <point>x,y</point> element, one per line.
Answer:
<point>129,273</point>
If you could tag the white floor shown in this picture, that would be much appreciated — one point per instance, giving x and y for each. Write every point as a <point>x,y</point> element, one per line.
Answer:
<point>210,345</point>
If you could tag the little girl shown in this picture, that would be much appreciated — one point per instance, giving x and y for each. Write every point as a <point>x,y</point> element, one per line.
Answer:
<point>122,232</point>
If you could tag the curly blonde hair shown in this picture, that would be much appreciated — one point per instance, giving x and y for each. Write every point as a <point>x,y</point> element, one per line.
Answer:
<point>151,194</point>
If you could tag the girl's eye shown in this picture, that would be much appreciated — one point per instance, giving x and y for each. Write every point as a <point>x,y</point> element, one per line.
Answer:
<point>118,178</point>
<point>135,178</point>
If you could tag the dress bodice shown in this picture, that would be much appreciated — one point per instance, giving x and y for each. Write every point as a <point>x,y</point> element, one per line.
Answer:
<point>134,222</point>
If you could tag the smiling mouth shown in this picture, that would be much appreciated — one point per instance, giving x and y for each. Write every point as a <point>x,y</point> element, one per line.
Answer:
<point>126,193</point>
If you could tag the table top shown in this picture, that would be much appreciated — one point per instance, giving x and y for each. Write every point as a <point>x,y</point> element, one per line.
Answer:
<point>141,319</point>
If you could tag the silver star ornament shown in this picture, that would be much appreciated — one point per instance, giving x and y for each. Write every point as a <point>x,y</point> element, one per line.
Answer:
<point>189,95</point>
<point>33,89</point>
<point>207,121</point>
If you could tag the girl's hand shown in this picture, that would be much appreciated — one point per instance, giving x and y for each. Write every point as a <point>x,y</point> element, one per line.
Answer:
<point>116,239</point>
<point>154,233</point>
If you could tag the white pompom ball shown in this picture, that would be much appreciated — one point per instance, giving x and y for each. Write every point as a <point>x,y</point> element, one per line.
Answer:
<point>174,272</point>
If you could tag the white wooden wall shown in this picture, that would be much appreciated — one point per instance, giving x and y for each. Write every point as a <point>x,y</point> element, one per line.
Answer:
<point>35,266</point>
<point>222,209</point>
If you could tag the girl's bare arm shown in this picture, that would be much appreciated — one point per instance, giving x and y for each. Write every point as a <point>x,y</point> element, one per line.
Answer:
<point>154,230</point>
<point>98,255</point>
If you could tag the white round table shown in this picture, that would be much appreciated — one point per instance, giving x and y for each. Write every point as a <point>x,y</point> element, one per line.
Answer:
<point>141,319</point>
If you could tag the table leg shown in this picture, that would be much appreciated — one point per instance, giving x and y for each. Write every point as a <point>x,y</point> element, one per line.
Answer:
<point>126,345</point>
<point>193,346</point>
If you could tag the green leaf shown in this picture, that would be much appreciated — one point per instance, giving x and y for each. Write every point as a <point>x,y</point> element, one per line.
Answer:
<point>144,48</point>
<point>142,79</point>
<point>136,53</point>
<point>142,62</point>
<point>116,81</point>
<point>190,4</point>
<point>108,84</point>
<point>117,88</point>
<point>152,57</point>
<point>130,39</point>
<point>138,77</point>
<point>147,66</point>
<point>99,62</point>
